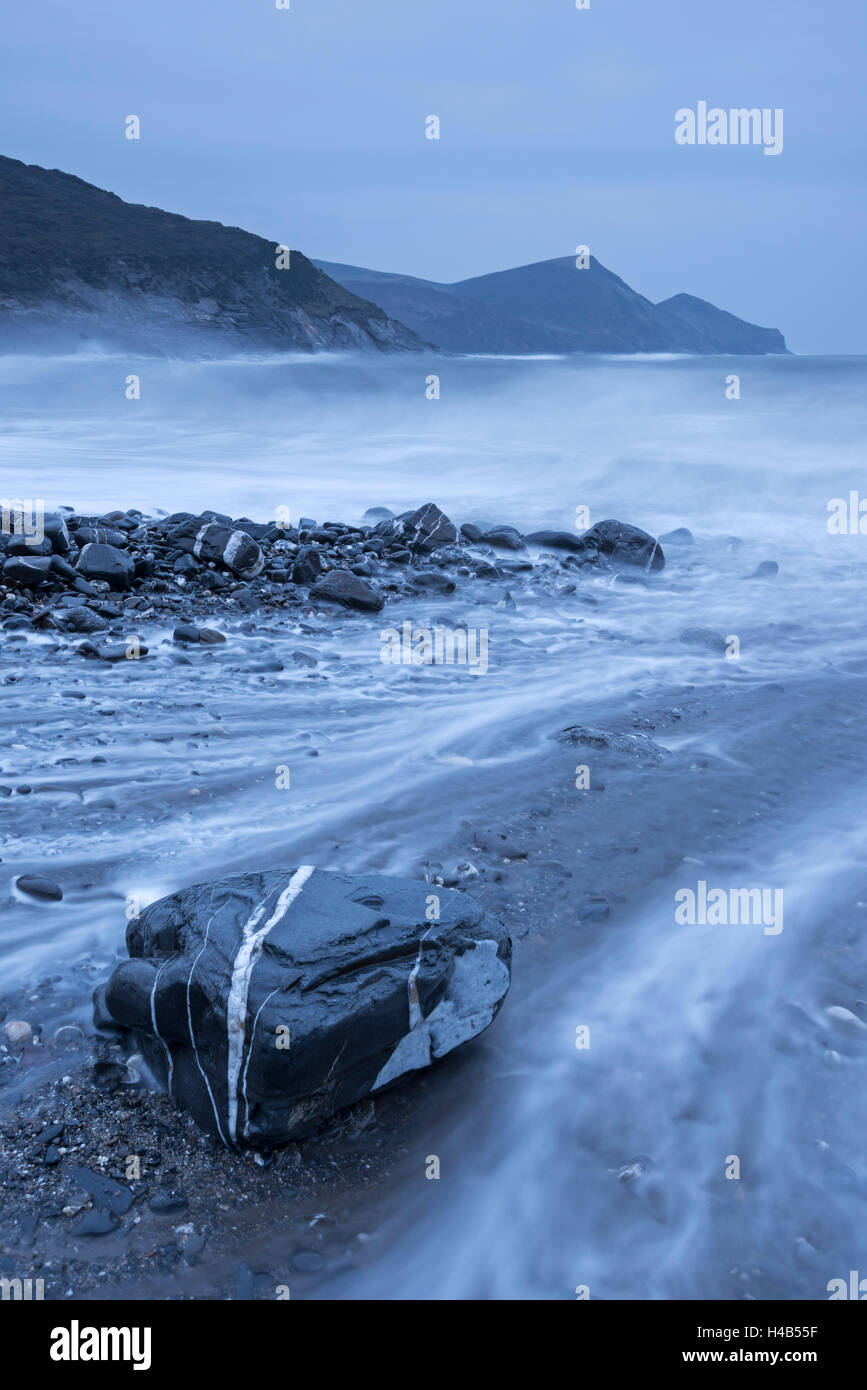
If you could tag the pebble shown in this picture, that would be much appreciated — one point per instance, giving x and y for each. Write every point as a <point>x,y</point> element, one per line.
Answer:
<point>167,1200</point>
<point>35,886</point>
<point>594,910</point>
<point>17,1032</point>
<point>69,1034</point>
<point>96,1222</point>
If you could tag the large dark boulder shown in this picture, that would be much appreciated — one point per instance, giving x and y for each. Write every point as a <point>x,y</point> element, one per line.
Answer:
<point>106,562</point>
<point>342,586</point>
<point>26,524</point>
<point>29,571</point>
<point>308,565</point>
<point>624,544</point>
<point>27,545</point>
<point>267,1001</point>
<point>207,539</point>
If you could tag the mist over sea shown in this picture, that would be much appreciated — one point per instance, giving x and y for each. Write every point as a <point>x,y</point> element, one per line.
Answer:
<point>522,440</point>
<point>700,1054</point>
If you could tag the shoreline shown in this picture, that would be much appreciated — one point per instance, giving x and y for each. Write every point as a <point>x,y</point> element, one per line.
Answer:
<point>247,1209</point>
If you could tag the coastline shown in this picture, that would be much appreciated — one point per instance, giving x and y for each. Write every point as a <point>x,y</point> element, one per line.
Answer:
<point>668,806</point>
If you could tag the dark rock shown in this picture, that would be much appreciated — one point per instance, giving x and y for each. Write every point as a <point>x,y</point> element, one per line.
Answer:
<point>96,1222</point>
<point>35,886</point>
<point>102,1019</point>
<point>115,651</point>
<point>555,540</point>
<point>209,539</point>
<point>63,569</point>
<point>107,563</point>
<point>624,544</point>
<point>101,535</point>
<point>450,555</point>
<point>434,582</point>
<point>81,586</point>
<point>504,538</point>
<point>52,527</point>
<point>30,572</point>
<point>48,1135</point>
<point>422,530</point>
<point>377,514</point>
<point>186,565</point>
<point>167,1200</point>
<point>341,586</point>
<point>55,528</point>
<point>186,632</point>
<point>28,545</point>
<point>308,565</point>
<point>108,1075</point>
<point>105,1192</point>
<point>193,1246</point>
<point>278,998</point>
<point>472,533</point>
<point>83,620</point>
<point>259,530</point>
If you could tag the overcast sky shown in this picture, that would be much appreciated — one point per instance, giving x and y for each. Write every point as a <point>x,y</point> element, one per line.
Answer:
<point>307,125</point>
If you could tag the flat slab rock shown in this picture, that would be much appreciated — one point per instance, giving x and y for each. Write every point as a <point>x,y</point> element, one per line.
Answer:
<point>267,1001</point>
